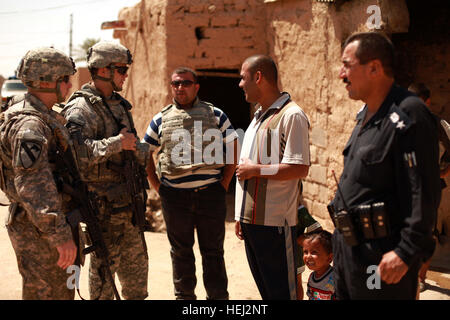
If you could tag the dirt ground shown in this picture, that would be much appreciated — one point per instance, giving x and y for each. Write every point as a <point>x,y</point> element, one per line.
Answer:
<point>240,281</point>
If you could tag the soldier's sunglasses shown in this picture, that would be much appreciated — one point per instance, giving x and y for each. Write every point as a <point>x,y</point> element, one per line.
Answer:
<point>66,79</point>
<point>121,70</point>
<point>184,83</point>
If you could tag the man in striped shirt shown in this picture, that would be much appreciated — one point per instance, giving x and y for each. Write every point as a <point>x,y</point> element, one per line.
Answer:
<point>196,162</point>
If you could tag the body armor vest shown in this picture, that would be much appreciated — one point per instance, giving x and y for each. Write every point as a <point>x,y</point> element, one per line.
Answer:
<point>107,127</point>
<point>14,113</point>
<point>196,121</point>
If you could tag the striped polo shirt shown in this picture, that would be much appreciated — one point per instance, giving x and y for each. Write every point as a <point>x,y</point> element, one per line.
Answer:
<point>199,177</point>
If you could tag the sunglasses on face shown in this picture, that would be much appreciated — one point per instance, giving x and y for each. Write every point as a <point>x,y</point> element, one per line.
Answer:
<point>121,70</point>
<point>184,83</point>
<point>66,79</point>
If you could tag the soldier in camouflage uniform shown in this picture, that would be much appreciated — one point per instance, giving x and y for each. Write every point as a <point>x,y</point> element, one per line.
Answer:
<point>100,122</point>
<point>29,133</point>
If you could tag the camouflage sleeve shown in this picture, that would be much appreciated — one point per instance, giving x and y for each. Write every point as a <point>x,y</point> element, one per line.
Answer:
<point>83,126</point>
<point>34,181</point>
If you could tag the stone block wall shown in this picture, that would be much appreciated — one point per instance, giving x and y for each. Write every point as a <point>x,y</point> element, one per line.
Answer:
<point>214,34</point>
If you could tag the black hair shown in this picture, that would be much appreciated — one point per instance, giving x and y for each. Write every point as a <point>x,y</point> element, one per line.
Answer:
<point>181,70</point>
<point>324,238</point>
<point>421,90</point>
<point>374,46</point>
<point>265,65</point>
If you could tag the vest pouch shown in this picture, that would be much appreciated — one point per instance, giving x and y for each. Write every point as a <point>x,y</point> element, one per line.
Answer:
<point>380,220</point>
<point>118,195</point>
<point>345,225</point>
<point>365,220</point>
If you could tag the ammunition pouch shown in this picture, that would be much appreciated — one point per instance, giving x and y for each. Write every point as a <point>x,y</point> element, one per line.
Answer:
<point>361,224</point>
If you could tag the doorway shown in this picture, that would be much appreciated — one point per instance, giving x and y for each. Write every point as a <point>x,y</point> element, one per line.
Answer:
<point>221,88</point>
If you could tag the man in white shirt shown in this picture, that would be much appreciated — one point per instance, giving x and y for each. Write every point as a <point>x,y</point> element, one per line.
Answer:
<point>274,157</point>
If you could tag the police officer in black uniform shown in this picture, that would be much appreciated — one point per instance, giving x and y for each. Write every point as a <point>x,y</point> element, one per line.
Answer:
<point>387,198</point>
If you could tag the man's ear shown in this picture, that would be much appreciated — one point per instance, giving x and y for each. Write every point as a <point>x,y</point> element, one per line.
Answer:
<point>375,67</point>
<point>258,76</point>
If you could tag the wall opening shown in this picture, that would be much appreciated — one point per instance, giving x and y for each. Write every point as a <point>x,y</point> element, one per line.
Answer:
<point>423,52</point>
<point>221,88</point>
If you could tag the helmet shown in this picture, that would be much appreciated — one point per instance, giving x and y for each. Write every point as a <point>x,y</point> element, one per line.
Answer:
<point>44,64</point>
<point>103,54</point>
<point>48,65</point>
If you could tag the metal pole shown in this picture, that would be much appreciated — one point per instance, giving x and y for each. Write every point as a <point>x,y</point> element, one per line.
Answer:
<point>70,41</point>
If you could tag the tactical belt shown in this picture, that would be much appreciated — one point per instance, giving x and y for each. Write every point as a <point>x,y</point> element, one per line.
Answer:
<point>120,209</point>
<point>118,192</point>
<point>363,223</point>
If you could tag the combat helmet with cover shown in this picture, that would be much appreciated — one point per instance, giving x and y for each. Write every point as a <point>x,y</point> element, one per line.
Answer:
<point>106,54</point>
<point>45,64</point>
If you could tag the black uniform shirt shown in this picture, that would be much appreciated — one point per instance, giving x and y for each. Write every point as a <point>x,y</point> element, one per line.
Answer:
<point>394,158</point>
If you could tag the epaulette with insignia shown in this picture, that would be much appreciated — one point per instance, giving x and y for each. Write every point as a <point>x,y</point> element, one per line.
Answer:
<point>399,119</point>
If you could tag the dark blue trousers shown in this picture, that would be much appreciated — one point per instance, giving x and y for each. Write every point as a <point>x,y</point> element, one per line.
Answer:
<point>271,255</point>
<point>354,274</point>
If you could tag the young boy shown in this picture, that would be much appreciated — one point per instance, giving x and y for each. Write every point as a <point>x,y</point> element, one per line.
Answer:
<point>317,255</point>
<point>306,224</point>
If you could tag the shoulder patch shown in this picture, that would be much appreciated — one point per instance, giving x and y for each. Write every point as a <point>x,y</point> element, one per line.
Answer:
<point>30,149</point>
<point>29,153</point>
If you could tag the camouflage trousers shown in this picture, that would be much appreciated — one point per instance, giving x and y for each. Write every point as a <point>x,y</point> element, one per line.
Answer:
<point>42,279</point>
<point>127,258</point>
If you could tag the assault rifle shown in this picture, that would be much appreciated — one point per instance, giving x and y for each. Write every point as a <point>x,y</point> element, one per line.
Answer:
<point>86,212</point>
<point>136,181</point>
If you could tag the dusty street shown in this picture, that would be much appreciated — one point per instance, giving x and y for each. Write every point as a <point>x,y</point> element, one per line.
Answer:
<point>240,282</point>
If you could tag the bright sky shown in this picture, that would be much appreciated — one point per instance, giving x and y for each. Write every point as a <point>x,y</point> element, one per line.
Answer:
<point>27,24</point>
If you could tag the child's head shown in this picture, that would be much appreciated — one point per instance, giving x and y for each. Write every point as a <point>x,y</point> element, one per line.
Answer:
<point>317,251</point>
